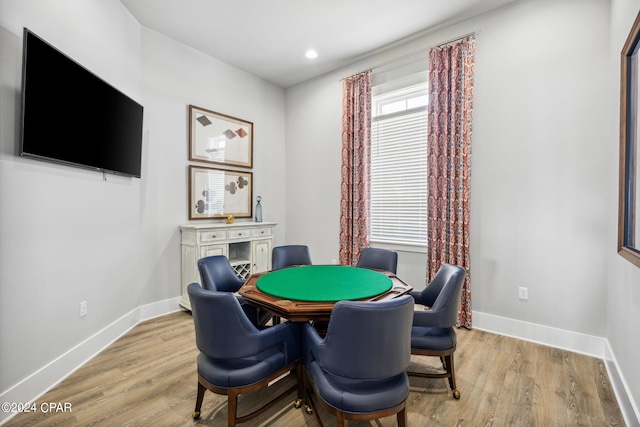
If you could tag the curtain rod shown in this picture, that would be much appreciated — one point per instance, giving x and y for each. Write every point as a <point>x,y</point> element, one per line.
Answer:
<point>391,61</point>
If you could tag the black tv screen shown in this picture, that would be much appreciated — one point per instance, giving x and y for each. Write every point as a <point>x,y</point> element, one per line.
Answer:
<point>71,116</point>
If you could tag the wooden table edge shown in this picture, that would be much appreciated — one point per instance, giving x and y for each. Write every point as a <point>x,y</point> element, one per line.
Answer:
<point>306,310</point>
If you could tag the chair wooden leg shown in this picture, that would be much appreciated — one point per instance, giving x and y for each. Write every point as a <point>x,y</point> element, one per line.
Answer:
<point>402,417</point>
<point>232,407</point>
<point>306,398</point>
<point>452,376</point>
<point>340,419</point>
<point>447,365</point>
<point>199,398</point>
<point>300,383</point>
<point>450,371</point>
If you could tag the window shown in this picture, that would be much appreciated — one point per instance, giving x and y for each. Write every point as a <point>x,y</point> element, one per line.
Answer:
<point>399,166</point>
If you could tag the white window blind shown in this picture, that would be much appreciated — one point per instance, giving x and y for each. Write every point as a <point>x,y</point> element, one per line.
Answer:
<point>399,174</point>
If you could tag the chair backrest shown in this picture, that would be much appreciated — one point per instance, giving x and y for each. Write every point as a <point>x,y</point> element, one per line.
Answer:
<point>285,256</point>
<point>442,294</point>
<point>223,331</point>
<point>429,294</point>
<point>369,340</point>
<point>216,274</point>
<point>380,259</point>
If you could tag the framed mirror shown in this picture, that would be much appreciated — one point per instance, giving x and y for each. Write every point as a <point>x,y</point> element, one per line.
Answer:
<point>629,192</point>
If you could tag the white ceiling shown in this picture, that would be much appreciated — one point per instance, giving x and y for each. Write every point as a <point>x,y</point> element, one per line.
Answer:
<point>268,38</point>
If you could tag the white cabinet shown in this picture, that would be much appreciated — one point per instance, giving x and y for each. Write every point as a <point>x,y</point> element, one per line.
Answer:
<point>246,244</point>
<point>261,255</point>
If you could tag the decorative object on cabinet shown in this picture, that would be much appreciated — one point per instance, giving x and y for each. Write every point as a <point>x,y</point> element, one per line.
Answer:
<point>258,209</point>
<point>218,138</point>
<point>217,193</point>
<point>248,246</point>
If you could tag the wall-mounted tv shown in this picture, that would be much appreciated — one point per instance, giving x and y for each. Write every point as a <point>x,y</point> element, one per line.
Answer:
<point>71,116</point>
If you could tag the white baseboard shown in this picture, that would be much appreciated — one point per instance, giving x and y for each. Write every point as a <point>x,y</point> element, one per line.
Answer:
<point>546,335</point>
<point>627,406</point>
<point>567,340</point>
<point>43,380</point>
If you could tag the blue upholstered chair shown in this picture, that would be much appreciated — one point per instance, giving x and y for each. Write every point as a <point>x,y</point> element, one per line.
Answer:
<point>433,332</point>
<point>216,274</point>
<point>378,259</point>
<point>236,357</point>
<point>357,370</point>
<point>285,256</point>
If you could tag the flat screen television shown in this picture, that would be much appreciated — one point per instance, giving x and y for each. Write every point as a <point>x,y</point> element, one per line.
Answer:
<point>71,116</point>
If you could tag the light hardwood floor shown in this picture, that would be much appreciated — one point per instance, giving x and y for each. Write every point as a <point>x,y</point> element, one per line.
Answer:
<point>148,378</point>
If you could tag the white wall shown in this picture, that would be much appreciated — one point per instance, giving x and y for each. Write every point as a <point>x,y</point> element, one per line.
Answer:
<point>313,167</point>
<point>544,172</point>
<point>623,278</point>
<point>176,76</point>
<point>68,236</point>
<point>544,93</point>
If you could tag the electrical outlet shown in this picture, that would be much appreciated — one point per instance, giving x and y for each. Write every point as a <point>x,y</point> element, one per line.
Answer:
<point>83,308</point>
<point>523,293</point>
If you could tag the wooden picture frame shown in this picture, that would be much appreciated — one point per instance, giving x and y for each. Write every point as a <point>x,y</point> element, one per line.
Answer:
<point>629,187</point>
<point>217,193</point>
<point>220,139</point>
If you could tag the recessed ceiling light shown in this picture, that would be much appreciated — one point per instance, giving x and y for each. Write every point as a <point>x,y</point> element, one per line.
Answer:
<point>311,54</point>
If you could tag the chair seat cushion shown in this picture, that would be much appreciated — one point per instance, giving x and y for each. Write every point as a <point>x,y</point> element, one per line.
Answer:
<point>436,339</point>
<point>232,373</point>
<point>358,395</point>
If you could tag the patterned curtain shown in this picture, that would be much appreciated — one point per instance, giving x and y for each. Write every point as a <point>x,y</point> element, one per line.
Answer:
<point>356,159</point>
<point>449,152</point>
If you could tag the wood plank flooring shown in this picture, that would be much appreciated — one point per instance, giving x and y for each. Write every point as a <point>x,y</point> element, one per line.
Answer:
<point>148,378</point>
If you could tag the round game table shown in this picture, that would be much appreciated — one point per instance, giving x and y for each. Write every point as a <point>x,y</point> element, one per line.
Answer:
<point>304,293</point>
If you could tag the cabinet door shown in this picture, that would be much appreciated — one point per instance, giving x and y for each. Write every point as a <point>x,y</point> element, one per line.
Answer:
<point>261,256</point>
<point>211,250</point>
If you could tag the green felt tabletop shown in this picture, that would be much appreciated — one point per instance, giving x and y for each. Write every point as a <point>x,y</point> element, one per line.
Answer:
<point>324,283</point>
